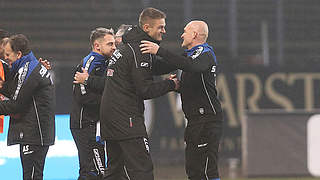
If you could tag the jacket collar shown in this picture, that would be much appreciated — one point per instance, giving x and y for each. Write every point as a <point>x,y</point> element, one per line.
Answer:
<point>136,34</point>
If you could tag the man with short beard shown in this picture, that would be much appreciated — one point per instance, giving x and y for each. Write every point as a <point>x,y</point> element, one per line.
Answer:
<point>84,118</point>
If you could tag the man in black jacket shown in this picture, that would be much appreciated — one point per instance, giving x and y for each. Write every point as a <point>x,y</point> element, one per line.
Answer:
<point>31,106</point>
<point>200,103</point>
<point>128,83</point>
<point>84,118</point>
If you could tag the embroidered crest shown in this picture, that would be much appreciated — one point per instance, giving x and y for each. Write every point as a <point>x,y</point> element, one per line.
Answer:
<point>110,72</point>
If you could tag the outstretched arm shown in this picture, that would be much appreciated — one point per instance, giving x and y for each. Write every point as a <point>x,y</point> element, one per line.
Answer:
<point>181,62</point>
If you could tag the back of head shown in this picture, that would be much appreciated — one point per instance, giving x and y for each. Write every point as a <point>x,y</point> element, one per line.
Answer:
<point>123,28</point>
<point>201,28</point>
<point>18,43</point>
<point>3,34</point>
<point>98,33</point>
<point>150,14</point>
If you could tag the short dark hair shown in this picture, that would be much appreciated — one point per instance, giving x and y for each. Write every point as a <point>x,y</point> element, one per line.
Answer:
<point>19,42</point>
<point>3,34</point>
<point>150,13</point>
<point>98,33</point>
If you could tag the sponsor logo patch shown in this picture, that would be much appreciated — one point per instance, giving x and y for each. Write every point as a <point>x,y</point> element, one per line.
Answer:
<point>26,150</point>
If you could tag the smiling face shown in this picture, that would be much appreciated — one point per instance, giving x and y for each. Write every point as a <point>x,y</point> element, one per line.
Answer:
<point>9,55</point>
<point>187,36</point>
<point>105,46</point>
<point>156,28</point>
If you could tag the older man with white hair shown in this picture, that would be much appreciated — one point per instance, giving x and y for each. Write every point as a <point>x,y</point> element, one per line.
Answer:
<point>200,102</point>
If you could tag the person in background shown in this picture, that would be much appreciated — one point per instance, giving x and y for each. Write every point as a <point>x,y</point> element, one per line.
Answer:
<point>200,102</point>
<point>84,118</point>
<point>122,29</point>
<point>31,106</point>
<point>4,69</point>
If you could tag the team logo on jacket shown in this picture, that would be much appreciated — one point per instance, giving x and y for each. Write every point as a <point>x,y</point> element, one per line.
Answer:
<point>110,72</point>
<point>144,64</point>
<point>197,52</point>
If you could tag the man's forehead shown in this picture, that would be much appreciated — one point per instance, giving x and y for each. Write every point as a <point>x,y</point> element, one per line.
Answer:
<point>7,46</point>
<point>158,22</point>
<point>188,27</point>
<point>109,37</point>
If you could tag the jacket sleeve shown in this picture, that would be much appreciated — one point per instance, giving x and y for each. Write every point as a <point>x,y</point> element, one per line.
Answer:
<point>5,89</point>
<point>160,67</point>
<point>200,64</point>
<point>24,97</point>
<point>96,83</point>
<point>86,95</point>
<point>145,86</point>
<point>7,74</point>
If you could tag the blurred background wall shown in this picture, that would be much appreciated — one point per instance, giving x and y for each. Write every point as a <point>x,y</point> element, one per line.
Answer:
<point>260,45</point>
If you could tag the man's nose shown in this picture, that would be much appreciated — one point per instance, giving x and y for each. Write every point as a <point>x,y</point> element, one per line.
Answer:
<point>163,30</point>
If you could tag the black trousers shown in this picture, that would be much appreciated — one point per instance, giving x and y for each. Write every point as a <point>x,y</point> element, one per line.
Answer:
<point>32,160</point>
<point>91,153</point>
<point>131,153</point>
<point>202,147</point>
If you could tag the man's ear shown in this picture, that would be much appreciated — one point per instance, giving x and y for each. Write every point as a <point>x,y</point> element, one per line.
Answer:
<point>19,54</point>
<point>96,46</point>
<point>195,34</point>
<point>146,27</point>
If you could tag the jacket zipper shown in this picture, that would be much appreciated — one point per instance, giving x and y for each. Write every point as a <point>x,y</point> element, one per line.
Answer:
<point>130,123</point>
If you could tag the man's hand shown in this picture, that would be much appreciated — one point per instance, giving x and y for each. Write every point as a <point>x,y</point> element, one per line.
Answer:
<point>79,77</point>
<point>45,63</point>
<point>1,83</point>
<point>149,47</point>
<point>173,77</point>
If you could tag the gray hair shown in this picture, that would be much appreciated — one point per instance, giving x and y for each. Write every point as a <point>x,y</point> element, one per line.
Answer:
<point>98,33</point>
<point>123,28</point>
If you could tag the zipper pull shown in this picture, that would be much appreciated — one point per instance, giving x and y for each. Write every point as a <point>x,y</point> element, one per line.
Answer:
<point>130,119</point>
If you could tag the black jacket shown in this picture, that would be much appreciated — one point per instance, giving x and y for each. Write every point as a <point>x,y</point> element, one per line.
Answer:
<point>129,82</point>
<point>198,82</point>
<point>86,101</point>
<point>31,105</point>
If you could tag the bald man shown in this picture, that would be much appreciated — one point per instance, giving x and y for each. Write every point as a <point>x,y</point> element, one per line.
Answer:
<point>200,103</point>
